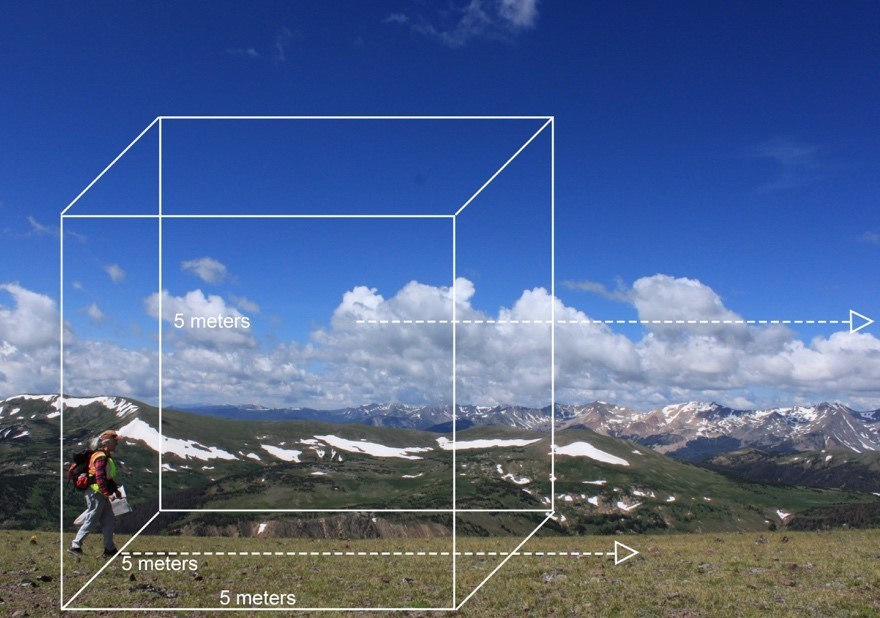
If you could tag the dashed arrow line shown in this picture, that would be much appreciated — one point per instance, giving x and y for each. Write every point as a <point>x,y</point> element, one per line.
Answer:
<point>856,322</point>
<point>620,554</point>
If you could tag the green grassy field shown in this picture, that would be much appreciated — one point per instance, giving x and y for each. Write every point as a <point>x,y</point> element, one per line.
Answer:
<point>750,574</point>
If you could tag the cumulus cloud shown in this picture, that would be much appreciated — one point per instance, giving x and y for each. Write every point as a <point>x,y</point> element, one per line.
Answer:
<point>363,356</point>
<point>456,26</point>
<point>28,342</point>
<point>102,368</point>
<point>29,354</point>
<point>506,362</point>
<point>190,315</point>
<point>117,274</point>
<point>207,269</point>
<point>32,323</point>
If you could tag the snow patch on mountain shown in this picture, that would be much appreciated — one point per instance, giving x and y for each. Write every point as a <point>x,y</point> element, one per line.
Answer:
<point>447,445</point>
<point>585,449</point>
<point>281,453</point>
<point>140,430</point>
<point>31,398</point>
<point>623,506</point>
<point>121,406</point>
<point>372,448</point>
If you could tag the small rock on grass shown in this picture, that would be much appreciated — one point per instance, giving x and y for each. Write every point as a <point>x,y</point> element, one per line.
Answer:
<point>550,576</point>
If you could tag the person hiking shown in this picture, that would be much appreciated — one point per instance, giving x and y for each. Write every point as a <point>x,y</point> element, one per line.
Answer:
<point>99,495</point>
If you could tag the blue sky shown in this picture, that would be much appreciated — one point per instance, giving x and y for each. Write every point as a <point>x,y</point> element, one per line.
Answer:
<point>710,161</point>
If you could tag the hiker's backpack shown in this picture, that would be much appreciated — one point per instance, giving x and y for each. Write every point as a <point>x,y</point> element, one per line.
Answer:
<point>78,472</point>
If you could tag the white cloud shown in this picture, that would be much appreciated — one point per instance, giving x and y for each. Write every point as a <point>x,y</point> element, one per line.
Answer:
<point>871,237</point>
<point>509,363</point>
<point>29,354</point>
<point>98,368</point>
<point>32,323</point>
<point>276,53</point>
<point>207,269</point>
<point>282,42</point>
<point>662,298</point>
<point>796,163</point>
<point>28,342</point>
<point>620,294</point>
<point>519,13</point>
<point>245,52</point>
<point>39,228</point>
<point>348,363</point>
<point>117,274</point>
<point>463,22</point>
<point>396,18</point>
<point>787,153</point>
<point>94,312</point>
<point>244,304</point>
<point>190,314</point>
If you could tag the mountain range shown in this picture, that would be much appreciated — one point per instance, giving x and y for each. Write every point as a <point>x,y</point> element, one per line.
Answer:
<point>692,431</point>
<point>613,469</point>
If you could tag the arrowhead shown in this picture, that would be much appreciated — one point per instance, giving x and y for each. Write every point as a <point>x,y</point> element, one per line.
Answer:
<point>862,322</point>
<point>628,552</point>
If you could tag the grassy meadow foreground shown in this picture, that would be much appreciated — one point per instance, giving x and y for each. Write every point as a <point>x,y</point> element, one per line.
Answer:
<point>749,574</point>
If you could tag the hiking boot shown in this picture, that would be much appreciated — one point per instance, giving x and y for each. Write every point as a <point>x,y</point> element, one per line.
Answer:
<point>74,551</point>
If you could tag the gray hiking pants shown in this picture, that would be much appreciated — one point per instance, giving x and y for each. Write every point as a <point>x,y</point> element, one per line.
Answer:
<point>99,516</point>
